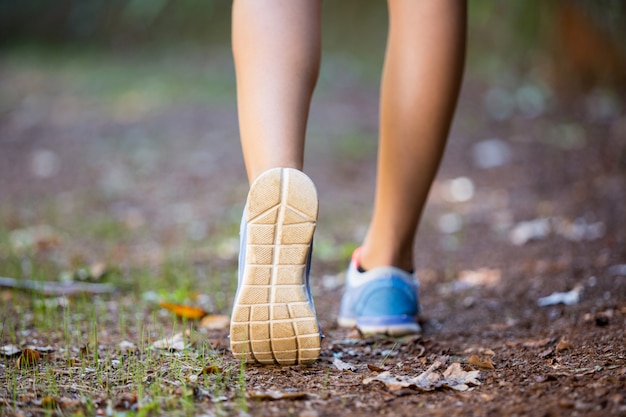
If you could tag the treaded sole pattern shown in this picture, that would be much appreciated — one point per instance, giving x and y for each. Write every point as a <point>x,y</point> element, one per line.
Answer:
<point>273,320</point>
<point>390,330</point>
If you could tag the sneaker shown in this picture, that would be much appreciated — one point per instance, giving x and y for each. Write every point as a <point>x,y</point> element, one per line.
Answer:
<point>273,319</point>
<point>383,300</point>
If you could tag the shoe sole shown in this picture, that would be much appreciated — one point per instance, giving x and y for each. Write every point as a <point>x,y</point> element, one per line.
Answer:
<point>390,330</point>
<point>394,331</point>
<point>274,321</point>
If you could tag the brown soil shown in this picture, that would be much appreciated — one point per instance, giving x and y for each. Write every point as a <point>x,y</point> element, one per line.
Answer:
<point>553,360</point>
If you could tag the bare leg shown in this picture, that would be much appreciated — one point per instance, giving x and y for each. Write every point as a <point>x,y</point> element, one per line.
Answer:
<point>420,84</point>
<point>276,45</point>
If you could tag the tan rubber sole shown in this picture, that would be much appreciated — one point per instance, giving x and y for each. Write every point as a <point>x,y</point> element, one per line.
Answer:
<point>273,321</point>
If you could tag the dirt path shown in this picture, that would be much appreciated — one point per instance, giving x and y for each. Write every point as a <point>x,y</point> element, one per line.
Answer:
<point>528,202</point>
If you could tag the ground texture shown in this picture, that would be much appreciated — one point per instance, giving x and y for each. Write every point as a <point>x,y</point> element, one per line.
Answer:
<point>128,172</point>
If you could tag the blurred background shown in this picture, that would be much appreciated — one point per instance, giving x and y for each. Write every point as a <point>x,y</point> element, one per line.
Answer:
<point>119,139</point>
<point>580,41</point>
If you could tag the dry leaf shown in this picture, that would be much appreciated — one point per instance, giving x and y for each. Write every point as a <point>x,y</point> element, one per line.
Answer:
<point>183,311</point>
<point>456,378</point>
<point>49,403</point>
<point>546,353</point>
<point>343,366</point>
<point>564,344</point>
<point>210,369</point>
<point>215,322</point>
<point>276,395</point>
<point>67,404</point>
<point>482,364</point>
<point>176,342</point>
<point>355,333</point>
<point>391,382</point>
<point>453,377</point>
<point>537,343</point>
<point>125,401</point>
<point>375,368</point>
<point>481,277</point>
<point>29,357</point>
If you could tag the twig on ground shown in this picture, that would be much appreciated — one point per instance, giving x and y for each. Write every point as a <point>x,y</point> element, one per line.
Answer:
<point>56,288</point>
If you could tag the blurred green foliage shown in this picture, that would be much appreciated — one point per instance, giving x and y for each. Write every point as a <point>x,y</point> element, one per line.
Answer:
<point>133,22</point>
<point>531,36</point>
<point>118,23</point>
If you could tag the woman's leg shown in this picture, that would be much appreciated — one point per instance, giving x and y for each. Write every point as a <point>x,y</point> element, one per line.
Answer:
<point>420,85</point>
<point>276,45</point>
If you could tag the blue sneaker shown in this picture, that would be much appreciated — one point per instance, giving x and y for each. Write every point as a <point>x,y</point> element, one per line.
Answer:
<point>383,300</point>
<point>273,319</point>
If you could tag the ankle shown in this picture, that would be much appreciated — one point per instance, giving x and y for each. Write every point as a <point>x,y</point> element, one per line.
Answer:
<point>367,259</point>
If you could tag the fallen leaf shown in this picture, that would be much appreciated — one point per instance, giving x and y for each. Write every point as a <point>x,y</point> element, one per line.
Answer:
<point>215,322</point>
<point>355,333</point>
<point>564,344</point>
<point>343,366</point>
<point>68,403</point>
<point>210,369</point>
<point>48,403</point>
<point>481,277</point>
<point>537,343</point>
<point>10,351</point>
<point>453,377</point>
<point>29,357</point>
<point>457,379</point>
<point>482,364</point>
<point>125,401</point>
<point>546,353</point>
<point>276,395</point>
<point>375,368</point>
<point>176,342</point>
<point>183,311</point>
